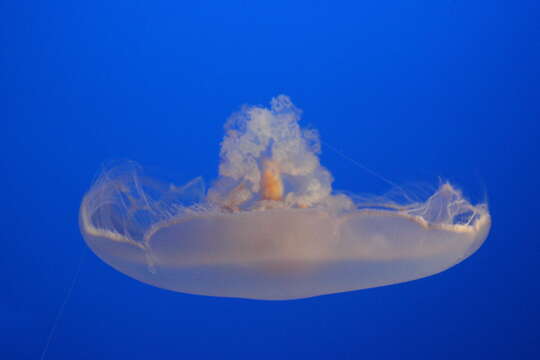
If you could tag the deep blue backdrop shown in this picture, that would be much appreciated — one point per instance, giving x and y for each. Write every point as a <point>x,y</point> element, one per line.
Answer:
<point>411,89</point>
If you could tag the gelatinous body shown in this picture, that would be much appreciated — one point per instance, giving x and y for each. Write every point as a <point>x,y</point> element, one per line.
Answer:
<point>270,226</point>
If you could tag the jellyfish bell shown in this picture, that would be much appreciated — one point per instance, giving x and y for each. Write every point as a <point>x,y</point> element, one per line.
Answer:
<point>270,226</point>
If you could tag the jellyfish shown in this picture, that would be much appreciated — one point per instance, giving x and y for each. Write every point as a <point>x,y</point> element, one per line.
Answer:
<point>271,226</point>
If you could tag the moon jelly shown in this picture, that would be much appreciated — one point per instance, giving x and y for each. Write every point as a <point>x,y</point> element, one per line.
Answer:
<point>270,226</point>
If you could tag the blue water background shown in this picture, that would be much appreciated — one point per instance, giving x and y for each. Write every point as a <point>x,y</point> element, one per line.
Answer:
<point>415,90</point>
